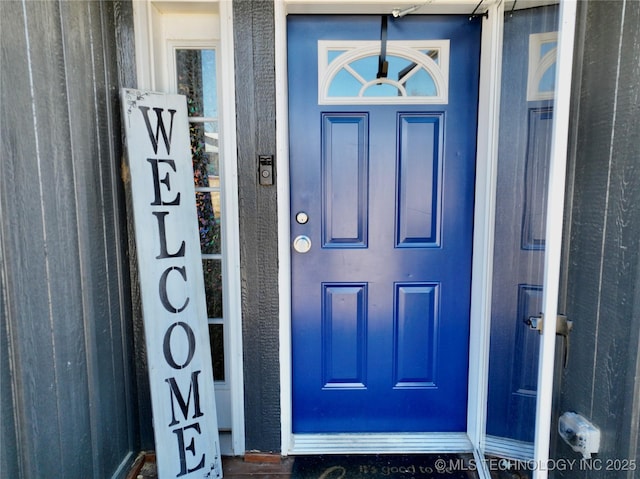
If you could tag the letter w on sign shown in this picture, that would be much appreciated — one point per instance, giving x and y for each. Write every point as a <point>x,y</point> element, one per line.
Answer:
<point>172,285</point>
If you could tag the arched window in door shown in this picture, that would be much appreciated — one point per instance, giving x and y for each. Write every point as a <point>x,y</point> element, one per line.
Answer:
<point>418,72</point>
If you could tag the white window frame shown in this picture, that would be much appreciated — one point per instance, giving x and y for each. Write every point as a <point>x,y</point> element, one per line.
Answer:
<point>475,439</point>
<point>154,42</point>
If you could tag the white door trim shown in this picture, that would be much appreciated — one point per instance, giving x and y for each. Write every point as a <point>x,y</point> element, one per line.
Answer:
<point>484,223</point>
<point>232,233</point>
<point>473,439</point>
<point>284,232</point>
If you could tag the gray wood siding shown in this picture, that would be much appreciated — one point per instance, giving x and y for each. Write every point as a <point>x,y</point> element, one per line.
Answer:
<point>66,301</point>
<point>256,123</point>
<point>603,278</point>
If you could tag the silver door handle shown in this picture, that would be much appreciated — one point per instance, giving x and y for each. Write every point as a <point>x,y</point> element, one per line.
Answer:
<point>302,244</point>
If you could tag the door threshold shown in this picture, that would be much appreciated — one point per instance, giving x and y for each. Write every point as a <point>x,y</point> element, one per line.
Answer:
<point>380,443</point>
<point>509,448</point>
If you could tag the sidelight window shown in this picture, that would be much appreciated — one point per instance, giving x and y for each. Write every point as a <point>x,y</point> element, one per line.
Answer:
<point>196,79</point>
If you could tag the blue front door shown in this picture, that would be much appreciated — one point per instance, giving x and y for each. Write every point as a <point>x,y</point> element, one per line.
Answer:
<point>382,194</point>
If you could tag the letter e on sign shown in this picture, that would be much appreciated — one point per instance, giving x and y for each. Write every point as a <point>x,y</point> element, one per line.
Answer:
<point>171,285</point>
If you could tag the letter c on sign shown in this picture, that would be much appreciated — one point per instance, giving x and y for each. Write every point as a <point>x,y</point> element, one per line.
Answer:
<point>164,297</point>
<point>166,346</point>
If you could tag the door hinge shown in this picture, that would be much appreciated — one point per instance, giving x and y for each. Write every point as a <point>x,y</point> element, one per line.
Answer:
<point>563,328</point>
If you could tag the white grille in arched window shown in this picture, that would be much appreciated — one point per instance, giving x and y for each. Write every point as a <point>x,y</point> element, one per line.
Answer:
<point>418,72</point>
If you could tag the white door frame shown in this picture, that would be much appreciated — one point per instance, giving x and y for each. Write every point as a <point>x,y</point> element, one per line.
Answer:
<point>490,63</point>
<point>474,440</point>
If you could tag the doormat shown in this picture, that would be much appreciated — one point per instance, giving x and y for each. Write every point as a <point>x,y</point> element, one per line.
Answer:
<point>385,466</point>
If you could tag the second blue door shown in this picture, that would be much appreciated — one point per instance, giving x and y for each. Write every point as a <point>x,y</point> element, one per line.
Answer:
<point>382,165</point>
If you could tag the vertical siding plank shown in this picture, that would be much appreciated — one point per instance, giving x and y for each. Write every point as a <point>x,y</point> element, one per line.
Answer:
<point>126,77</point>
<point>9,466</point>
<point>255,113</point>
<point>587,230</point>
<point>121,72</point>
<point>25,256</point>
<point>82,47</point>
<point>11,47</point>
<point>120,411</point>
<point>628,128</point>
<point>120,306</point>
<point>60,222</point>
<point>618,340</point>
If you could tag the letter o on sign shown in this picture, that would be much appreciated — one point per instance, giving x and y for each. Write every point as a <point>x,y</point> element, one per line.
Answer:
<point>166,346</point>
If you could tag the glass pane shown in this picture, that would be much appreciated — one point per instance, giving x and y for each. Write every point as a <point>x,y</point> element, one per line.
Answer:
<point>333,54</point>
<point>433,54</point>
<point>208,205</point>
<point>397,65</point>
<point>548,80</point>
<point>420,84</point>
<point>344,84</point>
<point>213,287</point>
<point>196,72</point>
<point>366,67</point>
<point>518,264</point>
<point>204,153</point>
<point>216,339</point>
<point>382,89</point>
<point>546,47</point>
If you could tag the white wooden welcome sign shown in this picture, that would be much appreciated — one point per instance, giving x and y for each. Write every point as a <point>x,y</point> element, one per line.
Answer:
<point>172,285</point>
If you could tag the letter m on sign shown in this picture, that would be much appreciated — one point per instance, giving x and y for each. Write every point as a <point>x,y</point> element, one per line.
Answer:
<point>177,396</point>
<point>185,425</point>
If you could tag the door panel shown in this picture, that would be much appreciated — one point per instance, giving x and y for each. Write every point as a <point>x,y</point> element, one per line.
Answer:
<point>344,321</point>
<point>380,303</point>
<point>345,158</point>
<point>417,215</point>
<point>416,313</point>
